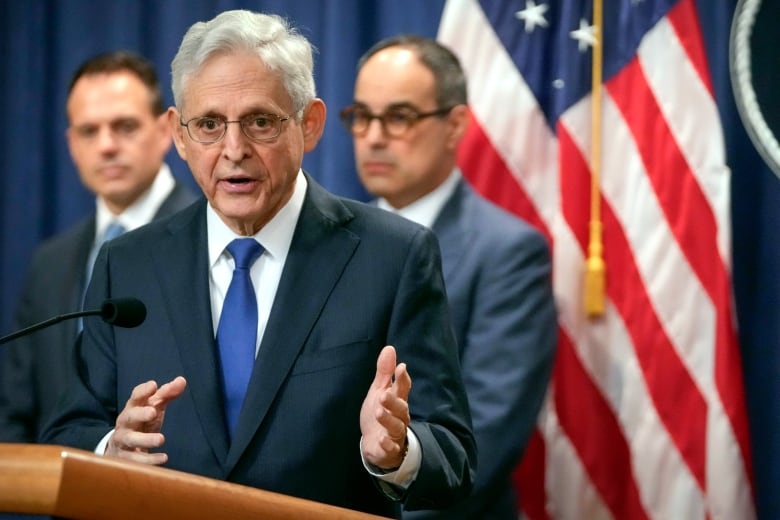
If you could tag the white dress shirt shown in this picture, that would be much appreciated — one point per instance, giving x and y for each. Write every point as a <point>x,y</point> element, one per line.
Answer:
<point>426,209</point>
<point>275,237</point>
<point>142,211</point>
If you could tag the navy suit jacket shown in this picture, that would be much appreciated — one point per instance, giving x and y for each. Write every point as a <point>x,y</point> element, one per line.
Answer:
<point>497,271</point>
<point>356,279</point>
<point>33,374</point>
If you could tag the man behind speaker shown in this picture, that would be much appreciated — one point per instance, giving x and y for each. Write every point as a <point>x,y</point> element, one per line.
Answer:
<point>497,268</point>
<point>118,136</point>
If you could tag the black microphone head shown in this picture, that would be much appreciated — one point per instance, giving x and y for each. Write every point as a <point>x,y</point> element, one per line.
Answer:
<point>123,312</point>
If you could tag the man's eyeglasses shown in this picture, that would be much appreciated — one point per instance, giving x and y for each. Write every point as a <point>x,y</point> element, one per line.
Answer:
<point>257,127</point>
<point>395,121</point>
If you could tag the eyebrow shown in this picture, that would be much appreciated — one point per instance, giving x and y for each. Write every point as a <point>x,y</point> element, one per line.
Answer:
<point>251,112</point>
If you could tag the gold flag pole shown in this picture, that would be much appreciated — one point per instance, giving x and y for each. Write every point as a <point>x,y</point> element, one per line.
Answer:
<point>595,268</point>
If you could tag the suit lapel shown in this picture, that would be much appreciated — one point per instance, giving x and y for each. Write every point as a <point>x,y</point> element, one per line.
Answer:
<point>179,198</point>
<point>319,253</point>
<point>453,230</point>
<point>73,293</point>
<point>185,291</point>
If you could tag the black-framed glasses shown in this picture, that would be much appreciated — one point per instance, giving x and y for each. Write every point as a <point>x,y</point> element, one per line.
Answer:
<point>395,121</point>
<point>257,127</point>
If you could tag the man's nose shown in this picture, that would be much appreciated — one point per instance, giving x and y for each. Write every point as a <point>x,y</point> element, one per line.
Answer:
<point>235,142</point>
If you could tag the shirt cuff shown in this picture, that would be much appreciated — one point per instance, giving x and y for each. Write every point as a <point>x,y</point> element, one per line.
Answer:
<point>407,471</point>
<point>103,444</point>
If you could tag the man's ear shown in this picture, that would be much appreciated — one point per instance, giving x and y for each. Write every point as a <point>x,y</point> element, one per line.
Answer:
<point>458,123</point>
<point>313,124</point>
<point>177,130</point>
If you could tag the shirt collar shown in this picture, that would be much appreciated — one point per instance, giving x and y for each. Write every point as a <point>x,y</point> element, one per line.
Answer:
<point>275,237</point>
<point>141,211</point>
<point>425,209</point>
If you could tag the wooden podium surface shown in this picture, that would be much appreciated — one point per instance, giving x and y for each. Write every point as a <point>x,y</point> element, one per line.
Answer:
<point>76,484</point>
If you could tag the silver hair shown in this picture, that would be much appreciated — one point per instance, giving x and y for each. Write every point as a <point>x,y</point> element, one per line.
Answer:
<point>279,45</point>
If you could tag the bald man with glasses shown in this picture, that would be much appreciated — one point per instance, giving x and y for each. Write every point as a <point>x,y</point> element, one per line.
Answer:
<point>408,117</point>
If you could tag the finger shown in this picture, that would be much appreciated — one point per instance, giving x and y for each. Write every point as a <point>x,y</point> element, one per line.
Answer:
<point>156,459</point>
<point>135,441</point>
<point>141,393</point>
<point>385,367</point>
<point>168,392</point>
<point>394,418</point>
<point>392,447</point>
<point>134,417</point>
<point>128,439</point>
<point>403,382</point>
<point>394,426</point>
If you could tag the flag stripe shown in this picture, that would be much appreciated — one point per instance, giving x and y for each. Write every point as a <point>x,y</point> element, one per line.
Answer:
<point>530,476</point>
<point>685,20</point>
<point>567,479</point>
<point>580,407</point>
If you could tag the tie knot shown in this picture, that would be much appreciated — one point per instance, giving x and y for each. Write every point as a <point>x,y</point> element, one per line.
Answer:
<point>244,251</point>
<point>112,231</point>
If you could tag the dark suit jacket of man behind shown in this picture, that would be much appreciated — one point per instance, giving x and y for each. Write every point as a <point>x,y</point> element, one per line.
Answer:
<point>117,135</point>
<point>497,268</point>
<point>497,274</point>
<point>356,278</point>
<point>33,371</point>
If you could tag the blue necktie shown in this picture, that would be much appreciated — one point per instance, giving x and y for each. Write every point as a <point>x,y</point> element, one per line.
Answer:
<point>237,330</point>
<point>113,230</point>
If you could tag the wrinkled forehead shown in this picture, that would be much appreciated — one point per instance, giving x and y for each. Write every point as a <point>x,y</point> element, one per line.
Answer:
<point>233,84</point>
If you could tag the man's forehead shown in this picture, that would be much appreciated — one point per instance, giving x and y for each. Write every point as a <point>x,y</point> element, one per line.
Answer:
<point>239,84</point>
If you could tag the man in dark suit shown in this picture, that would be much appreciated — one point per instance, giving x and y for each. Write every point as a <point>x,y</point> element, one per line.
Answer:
<point>408,117</point>
<point>118,136</point>
<point>326,409</point>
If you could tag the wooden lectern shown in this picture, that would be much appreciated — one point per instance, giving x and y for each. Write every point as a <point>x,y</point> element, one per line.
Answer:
<point>76,484</point>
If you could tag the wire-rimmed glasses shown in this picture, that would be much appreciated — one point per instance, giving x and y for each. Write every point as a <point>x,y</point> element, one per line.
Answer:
<point>257,127</point>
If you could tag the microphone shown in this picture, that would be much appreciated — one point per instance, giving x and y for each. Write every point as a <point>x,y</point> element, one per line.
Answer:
<point>120,312</point>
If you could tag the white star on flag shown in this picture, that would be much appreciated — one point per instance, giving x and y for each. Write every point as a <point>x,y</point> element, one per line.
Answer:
<point>585,36</point>
<point>532,15</point>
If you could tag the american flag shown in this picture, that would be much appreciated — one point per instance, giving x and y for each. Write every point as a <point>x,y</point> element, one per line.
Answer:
<point>645,416</point>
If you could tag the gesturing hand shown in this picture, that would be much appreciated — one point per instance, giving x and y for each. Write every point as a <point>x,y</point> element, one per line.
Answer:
<point>138,426</point>
<point>384,415</point>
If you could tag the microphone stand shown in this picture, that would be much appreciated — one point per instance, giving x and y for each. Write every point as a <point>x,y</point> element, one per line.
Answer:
<point>50,321</point>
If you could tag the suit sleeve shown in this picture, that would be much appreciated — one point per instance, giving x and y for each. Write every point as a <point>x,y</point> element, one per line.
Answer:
<point>17,396</point>
<point>88,410</point>
<point>508,355</point>
<point>421,331</point>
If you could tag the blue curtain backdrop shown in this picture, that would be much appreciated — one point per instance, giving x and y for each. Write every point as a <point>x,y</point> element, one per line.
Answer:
<point>42,42</point>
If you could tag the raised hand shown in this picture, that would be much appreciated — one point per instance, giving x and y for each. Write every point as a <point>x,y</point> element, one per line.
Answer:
<point>138,426</point>
<point>384,415</point>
